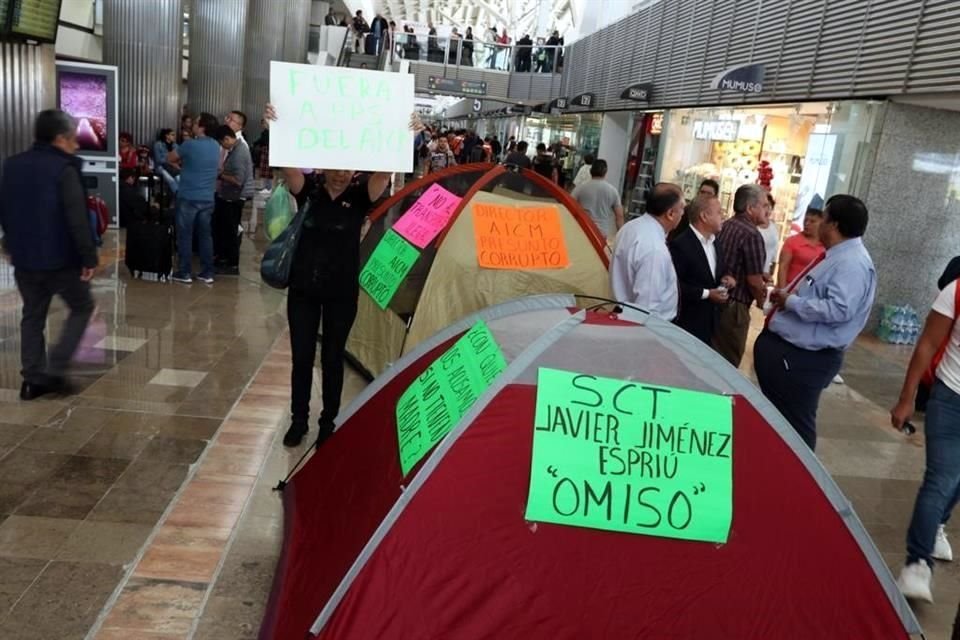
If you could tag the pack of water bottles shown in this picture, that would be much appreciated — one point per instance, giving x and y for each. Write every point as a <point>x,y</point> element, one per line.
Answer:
<point>899,324</point>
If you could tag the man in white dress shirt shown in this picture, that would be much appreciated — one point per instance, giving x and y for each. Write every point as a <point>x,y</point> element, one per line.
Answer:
<point>642,272</point>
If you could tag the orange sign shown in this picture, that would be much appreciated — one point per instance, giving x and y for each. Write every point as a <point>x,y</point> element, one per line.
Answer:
<point>519,237</point>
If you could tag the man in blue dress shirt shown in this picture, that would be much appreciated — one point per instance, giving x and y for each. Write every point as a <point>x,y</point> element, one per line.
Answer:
<point>817,317</point>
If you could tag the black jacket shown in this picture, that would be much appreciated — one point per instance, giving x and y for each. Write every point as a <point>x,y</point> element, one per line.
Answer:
<point>43,211</point>
<point>697,316</point>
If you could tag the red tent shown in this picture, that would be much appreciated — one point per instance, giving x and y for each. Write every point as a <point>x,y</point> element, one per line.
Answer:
<point>446,552</point>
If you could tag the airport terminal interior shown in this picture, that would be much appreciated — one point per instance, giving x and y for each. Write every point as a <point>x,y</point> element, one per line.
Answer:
<point>477,214</point>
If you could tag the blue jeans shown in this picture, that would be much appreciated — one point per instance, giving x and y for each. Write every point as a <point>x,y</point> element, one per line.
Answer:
<point>190,214</point>
<point>941,481</point>
<point>169,180</point>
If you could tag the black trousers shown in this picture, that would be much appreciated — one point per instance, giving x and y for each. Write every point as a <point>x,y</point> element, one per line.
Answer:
<point>37,289</point>
<point>793,379</point>
<point>305,312</point>
<point>226,238</point>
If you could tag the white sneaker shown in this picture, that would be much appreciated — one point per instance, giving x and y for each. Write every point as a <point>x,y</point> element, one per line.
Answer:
<point>914,581</point>
<point>837,379</point>
<point>941,548</point>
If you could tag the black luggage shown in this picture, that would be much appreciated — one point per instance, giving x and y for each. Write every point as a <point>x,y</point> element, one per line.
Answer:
<point>149,248</point>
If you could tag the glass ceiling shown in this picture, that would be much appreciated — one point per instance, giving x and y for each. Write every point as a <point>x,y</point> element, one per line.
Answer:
<point>519,17</point>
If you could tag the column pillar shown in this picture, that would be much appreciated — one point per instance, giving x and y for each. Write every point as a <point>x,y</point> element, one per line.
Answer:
<point>145,41</point>
<point>215,77</point>
<point>276,31</point>
<point>28,78</point>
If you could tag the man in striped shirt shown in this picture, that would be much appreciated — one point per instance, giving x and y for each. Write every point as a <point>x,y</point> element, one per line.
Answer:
<point>743,254</point>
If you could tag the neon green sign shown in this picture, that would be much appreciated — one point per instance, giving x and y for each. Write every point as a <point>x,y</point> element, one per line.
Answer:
<point>444,392</point>
<point>632,457</point>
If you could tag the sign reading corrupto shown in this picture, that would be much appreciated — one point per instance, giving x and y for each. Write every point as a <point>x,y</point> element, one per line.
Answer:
<point>339,118</point>
<point>519,237</point>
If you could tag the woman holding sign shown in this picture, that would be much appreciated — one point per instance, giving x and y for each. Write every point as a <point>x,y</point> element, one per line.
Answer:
<point>324,284</point>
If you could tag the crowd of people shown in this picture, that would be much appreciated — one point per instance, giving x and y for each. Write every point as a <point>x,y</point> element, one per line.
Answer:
<point>493,50</point>
<point>436,148</point>
<point>203,174</point>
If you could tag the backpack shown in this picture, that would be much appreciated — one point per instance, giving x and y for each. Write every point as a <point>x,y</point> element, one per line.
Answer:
<point>98,213</point>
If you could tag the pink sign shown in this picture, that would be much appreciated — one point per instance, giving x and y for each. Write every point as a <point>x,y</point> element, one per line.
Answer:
<point>428,216</point>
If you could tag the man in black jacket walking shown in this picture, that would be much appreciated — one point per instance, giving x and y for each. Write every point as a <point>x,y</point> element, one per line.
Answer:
<point>699,267</point>
<point>49,238</point>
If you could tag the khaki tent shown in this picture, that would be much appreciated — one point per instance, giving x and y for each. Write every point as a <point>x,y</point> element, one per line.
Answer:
<point>447,283</point>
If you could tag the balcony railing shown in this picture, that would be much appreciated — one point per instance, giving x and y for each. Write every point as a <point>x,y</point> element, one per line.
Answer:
<point>458,52</point>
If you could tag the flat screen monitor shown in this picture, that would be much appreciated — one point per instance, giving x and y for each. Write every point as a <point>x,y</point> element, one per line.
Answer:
<point>35,20</point>
<point>87,92</point>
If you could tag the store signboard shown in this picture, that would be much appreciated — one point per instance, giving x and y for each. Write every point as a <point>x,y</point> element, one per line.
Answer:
<point>638,92</point>
<point>558,103</point>
<point>656,123</point>
<point>584,100</point>
<point>746,78</point>
<point>717,130</point>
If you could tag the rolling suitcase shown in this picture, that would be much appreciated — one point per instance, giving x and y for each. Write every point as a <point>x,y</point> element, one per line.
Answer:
<point>149,249</point>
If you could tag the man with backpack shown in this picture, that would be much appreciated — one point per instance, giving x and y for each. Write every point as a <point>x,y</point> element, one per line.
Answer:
<point>935,369</point>
<point>47,233</point>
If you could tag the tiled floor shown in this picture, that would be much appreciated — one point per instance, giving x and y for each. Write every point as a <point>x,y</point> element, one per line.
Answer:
<point>142,508</point>
<point>85,479</point>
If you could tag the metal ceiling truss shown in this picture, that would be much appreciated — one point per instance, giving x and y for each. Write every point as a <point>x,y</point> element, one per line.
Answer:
<point>519,17</point>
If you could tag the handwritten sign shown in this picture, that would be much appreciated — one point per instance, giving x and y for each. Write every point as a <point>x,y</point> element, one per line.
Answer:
<point>631,456</point>
<point>519,237</point>
<point>340,118</point>
<point>428,216</point>
<point>444,392</point>
<point>388,265</point>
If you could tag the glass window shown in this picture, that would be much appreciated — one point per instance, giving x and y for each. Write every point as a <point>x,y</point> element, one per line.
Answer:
<point>796,151</point>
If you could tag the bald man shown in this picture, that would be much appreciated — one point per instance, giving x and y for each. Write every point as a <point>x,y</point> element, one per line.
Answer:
<point>642,272</point>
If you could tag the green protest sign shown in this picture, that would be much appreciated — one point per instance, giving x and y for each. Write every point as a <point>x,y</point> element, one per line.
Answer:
<point>444,392</point>
<point>631,456</point>
<point>388,265</point>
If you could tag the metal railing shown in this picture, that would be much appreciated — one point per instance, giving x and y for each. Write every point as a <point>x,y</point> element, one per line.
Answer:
<point>515,58</point>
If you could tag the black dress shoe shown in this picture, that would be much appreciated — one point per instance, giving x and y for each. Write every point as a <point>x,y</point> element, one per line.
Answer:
<point>294,435</point>
<point>33,390</point>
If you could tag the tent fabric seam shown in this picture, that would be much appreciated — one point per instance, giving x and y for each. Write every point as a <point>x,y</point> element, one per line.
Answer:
<point>515,368</point>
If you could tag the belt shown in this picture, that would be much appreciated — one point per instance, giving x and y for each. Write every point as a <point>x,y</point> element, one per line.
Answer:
<point>779,338</point>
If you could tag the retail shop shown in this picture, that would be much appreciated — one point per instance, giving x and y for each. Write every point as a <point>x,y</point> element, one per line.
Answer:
<point>646,129</point>
<point>794,150</point>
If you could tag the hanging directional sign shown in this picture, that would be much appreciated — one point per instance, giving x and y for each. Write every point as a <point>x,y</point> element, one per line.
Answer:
<point>454,85</point>
<point>584,100</point>
<point>477,106</point>
<point>638,92</point>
